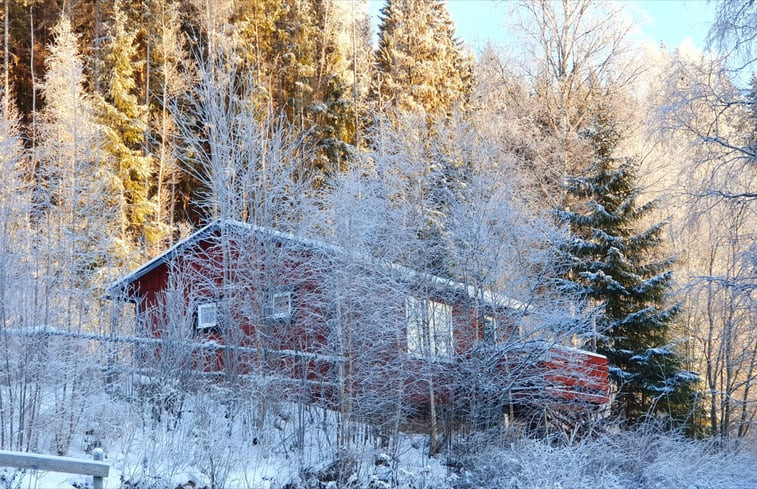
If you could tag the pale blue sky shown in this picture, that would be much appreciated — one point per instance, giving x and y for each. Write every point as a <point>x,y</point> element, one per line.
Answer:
<point>668,21</point>
<point>672,21</point>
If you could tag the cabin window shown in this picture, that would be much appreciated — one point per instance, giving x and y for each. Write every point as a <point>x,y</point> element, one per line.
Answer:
<point>429,328</point>
<point>207,315</point>
<point>280,306</point>
<point>489,329</point>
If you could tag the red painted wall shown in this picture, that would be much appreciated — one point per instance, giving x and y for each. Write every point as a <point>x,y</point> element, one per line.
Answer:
<point>304,347</point>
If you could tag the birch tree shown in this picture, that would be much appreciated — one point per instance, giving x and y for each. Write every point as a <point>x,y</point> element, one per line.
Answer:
<point>77,228</point>
<point>19,384</point>
<point>571,53</point>
<point>15,209</point>
<point>711,117</point>
<point>492,245</point>
<point>249,164</point>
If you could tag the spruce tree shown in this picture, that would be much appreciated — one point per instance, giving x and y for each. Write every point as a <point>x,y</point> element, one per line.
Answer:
<point>617,263</point>
<point>298,53</point>
<point>329,105</point>
<point>125,119</point>
<point>421,64</point>
<point>166,82</point>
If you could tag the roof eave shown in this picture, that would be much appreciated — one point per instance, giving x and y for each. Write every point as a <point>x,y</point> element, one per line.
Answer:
<point>117,290</point>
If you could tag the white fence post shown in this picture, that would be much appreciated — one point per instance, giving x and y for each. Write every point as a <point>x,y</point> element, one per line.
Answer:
<point>97,480</point>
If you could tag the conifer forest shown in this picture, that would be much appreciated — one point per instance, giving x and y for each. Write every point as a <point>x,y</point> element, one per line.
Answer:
<point>284,244</point>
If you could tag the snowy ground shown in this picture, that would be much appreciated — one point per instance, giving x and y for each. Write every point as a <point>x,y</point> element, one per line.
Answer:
<point>215,442</point>
<point>152,459</point>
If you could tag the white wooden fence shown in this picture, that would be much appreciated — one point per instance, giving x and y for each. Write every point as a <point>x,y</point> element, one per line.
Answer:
<point>97,468</point>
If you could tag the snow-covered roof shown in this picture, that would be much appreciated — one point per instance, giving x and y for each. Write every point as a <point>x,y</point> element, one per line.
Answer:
<point>117,288</point>
<point>486,296</point>
<point>544,345</point>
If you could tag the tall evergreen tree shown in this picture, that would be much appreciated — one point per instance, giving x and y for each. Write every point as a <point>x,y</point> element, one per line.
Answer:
<point>423,78</point>
<point>331,110</point>
<point>166,83</point>
<point>298,51</point>
<point>617,263</point>
<point>125,119</point>
<point>421,64</point>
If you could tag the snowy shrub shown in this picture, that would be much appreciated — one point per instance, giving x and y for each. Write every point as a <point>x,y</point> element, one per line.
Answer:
<point>637,459</point>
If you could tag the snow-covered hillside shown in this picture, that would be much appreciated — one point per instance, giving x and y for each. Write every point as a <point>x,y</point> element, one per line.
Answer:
<point>214,440</point>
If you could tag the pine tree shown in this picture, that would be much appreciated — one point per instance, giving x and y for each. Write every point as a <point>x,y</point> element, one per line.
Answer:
<point>421,65</point>
<point>617,263</point>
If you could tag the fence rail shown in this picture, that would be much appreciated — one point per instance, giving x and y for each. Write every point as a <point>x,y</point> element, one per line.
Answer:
<point>96,468</point>
<point>190,344</point>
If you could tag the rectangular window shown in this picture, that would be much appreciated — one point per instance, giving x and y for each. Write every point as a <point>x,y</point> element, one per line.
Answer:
<point>489,329</point>
<point>207,315</point>
<point>281,305</point>
<point>429,328</point>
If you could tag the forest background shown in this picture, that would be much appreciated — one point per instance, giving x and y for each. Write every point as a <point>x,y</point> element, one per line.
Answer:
<point>607,184</point>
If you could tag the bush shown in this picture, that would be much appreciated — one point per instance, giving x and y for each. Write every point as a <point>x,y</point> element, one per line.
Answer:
<point>640,459</point>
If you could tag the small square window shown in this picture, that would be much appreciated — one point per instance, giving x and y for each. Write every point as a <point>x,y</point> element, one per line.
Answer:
<point>281,305</point>
<point>207,315</point>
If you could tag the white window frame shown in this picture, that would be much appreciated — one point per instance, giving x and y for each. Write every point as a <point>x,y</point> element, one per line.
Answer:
<point>430,331</point>
<point>281,314</point>
<point>201,308</point>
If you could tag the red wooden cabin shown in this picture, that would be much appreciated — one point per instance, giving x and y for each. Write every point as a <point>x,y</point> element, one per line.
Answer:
<point>235,299</point>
